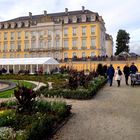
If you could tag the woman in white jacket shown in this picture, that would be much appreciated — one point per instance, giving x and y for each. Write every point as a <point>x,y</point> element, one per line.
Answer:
<point>118,75</point>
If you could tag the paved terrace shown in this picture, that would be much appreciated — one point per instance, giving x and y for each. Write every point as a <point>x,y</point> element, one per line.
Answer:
<point>114,114</point>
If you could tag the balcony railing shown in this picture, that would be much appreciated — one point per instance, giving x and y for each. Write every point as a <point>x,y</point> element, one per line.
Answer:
<point>74,48</point>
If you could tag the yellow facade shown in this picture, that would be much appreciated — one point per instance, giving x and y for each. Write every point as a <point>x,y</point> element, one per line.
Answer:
<point>15,52</point>
<point>70,35</point>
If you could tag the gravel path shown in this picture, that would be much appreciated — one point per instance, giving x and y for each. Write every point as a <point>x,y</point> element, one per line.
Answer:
<point>114,114</point>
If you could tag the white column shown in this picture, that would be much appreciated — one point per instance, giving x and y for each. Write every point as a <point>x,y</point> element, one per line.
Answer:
<point>8,69</point>
<point>37,67</point>
<point>19,67</point>
<point>31,69</point>
<point>13,68</point>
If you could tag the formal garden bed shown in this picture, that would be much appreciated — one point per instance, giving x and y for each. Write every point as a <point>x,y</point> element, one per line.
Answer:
<point>29,117</point>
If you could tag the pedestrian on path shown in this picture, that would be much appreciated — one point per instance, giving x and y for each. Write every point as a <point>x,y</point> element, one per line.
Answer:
<point>118,75</point>
<point>133,68</point>
<point>110,74</point>
<point>126,71</point>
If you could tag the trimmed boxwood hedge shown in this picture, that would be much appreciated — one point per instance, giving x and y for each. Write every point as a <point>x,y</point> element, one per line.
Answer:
<point>79,93</point>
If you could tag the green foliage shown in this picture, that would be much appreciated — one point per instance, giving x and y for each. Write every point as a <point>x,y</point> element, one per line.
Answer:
<point>38,125</point>
<point>25,97</point>
<point>80,92</point>
<point>122,42</point>
<point>6,117</point>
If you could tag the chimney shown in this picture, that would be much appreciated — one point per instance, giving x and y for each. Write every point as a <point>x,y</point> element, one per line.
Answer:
<point>83,8</point>
<point>45,12</point>
<point>66,10</point>
<point>30,14</point>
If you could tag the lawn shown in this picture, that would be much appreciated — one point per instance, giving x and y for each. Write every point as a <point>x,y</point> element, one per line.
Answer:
<point>9,93</point>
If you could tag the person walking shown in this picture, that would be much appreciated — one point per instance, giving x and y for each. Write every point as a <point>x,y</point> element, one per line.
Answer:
<point>133,68</point>
<point>118,75</point>
<point>126,71</point>
<point>110,74</point>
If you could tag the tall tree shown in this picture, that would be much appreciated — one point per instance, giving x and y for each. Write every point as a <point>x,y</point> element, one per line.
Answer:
<point>122,42</point>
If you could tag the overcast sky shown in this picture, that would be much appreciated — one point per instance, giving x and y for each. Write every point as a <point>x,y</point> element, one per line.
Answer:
<point>119,14</point>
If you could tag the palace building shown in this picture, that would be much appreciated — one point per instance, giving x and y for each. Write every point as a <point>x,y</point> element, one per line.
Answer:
<point>65,35</point>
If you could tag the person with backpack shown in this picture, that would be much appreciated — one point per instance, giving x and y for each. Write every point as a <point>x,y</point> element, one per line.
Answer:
<point>118,75</point>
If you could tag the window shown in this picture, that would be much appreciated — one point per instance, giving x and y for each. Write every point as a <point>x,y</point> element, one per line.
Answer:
<point>49,33</point>
<point>65,55</point>
<point>74,54</point>
<point>83,30</point>
<point>49,43</point>
<point>65,43</point>
<point>65,32</point>
<point>74,31</point>
<point>19,46</point>
<point>5,46</point>
<point>12,35</point>
<point>33,34</point>
<point>41,45</point>
<point>57,43</point>
<point>92,30</point>
<point>57,32</point>
<point>56,56</point>
<point>5,36</point>
<point>25,55</point>
<point>26,35</point>
<point>92,54</point>
<point>19,35</point>
<point>74,43</point>
<point>93,43</point>
<point>84,43</point>
<point>18,55</point>
<point>12,46</point>
<point>33,44</point>
<point>11,56</point>
<point>26,45</point>
<point>83,54</point>
<point>41,33</point>
<point>4,55</point>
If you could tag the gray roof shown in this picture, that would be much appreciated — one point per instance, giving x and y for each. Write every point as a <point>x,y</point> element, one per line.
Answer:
<point>53,15</point>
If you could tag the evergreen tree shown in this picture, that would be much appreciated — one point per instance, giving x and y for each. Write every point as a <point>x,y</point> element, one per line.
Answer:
<point>122,42</point>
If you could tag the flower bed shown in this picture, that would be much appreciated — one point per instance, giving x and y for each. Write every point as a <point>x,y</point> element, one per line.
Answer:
<point>36,125</point>
<point>79,93</point>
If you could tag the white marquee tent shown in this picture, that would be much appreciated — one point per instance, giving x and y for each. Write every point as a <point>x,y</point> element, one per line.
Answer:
<point>31,64</point>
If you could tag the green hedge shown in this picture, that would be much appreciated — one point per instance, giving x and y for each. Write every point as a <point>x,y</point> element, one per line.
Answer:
<point>79,93</point>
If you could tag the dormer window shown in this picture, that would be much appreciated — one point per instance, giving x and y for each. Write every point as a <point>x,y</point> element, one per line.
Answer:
<point>66,20</point>
<point>74,19</point>
<point>26,23</point>
<point>83,18</point>
<point>19,24</point>
<point>6,25</point>
<point>13,24</point>
<point>92,18</point>
<point>1,26</point>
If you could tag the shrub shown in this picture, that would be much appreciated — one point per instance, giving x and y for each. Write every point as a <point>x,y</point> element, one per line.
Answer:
<point>25,97</point>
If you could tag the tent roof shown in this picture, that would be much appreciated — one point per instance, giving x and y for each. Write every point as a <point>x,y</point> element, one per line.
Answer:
<point>28,61</point>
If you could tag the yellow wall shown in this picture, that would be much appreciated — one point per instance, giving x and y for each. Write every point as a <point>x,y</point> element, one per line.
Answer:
<point>15,41</point>
<point>92,65</point>
<point>79,37</point>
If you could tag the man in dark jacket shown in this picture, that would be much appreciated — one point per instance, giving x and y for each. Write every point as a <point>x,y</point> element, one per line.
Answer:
<point>126,71</point>
<point>110,74</point>
<point>133,68</point>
